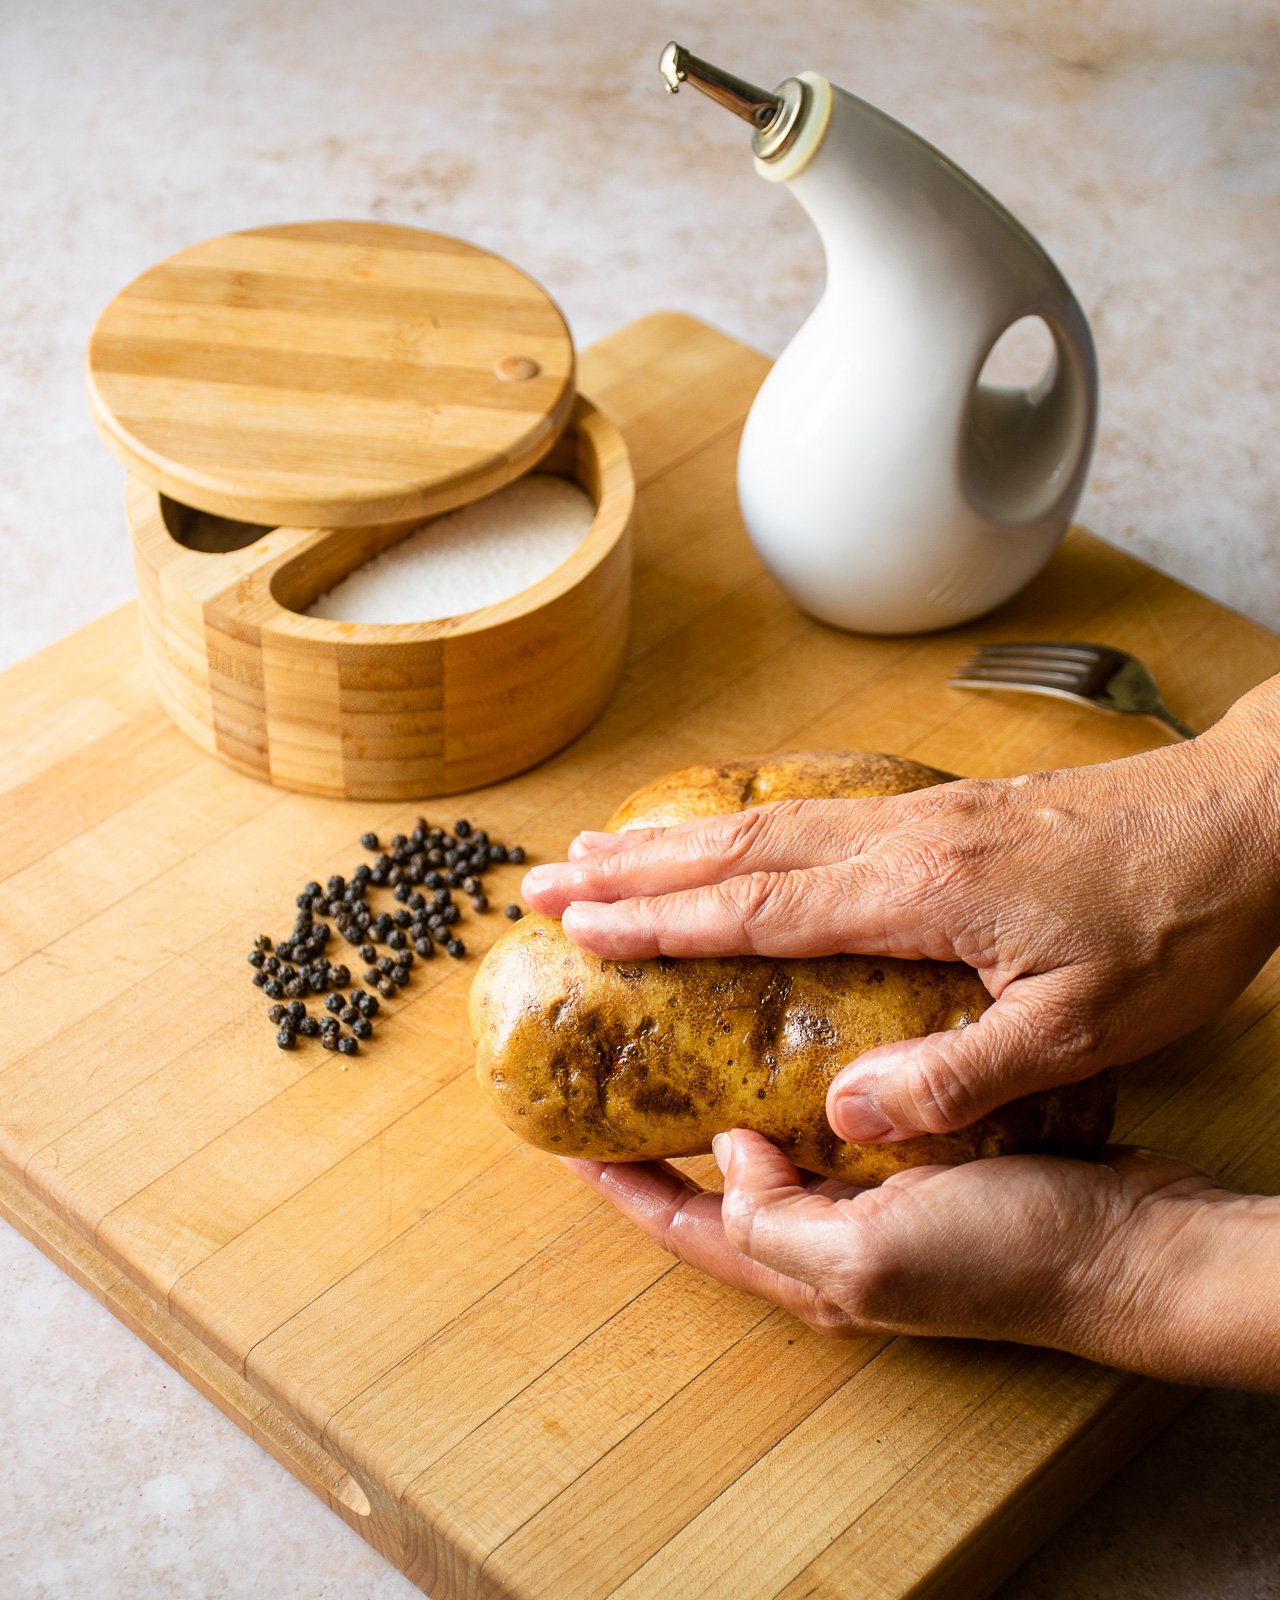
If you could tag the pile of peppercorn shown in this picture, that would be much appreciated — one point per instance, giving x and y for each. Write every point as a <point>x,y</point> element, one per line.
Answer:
<point>429,859</point>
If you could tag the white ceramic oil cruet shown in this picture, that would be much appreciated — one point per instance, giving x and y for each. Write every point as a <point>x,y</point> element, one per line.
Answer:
<point>885,487</point>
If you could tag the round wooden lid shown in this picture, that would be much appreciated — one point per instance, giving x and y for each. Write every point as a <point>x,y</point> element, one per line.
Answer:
<point>330,374</point>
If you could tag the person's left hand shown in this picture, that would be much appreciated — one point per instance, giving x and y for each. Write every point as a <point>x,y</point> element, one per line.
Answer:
<point>1081,1256</point>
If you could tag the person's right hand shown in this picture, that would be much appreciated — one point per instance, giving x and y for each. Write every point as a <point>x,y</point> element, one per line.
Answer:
<point>1108,909</point>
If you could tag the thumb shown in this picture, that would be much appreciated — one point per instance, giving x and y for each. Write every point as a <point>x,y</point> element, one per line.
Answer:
<point>948,1080</point>
<point>769,1214</point>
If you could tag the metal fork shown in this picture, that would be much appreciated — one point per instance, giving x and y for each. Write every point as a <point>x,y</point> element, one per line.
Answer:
<point>1093,674</point>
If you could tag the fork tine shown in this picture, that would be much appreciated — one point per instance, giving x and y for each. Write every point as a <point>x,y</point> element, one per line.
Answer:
<point>1017,677</point>
<point>1040,650</point>
<point>1070,669</point>
<point>1034,663</point>
<point>1018,686</point>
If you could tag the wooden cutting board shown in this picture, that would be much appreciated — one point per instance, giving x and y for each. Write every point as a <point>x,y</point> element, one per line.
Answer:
<point>481,1368</point>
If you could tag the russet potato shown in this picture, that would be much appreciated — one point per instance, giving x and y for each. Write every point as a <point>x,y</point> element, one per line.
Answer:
<point>631,1061</point>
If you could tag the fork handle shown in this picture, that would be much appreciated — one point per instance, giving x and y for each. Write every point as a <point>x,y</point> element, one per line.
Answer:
<point>1161,713</point>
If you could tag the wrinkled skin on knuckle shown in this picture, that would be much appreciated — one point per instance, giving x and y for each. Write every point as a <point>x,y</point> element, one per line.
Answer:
<point>732,840</point>
<point>938,1097</point>
<point>759,901</point>
<point>828,1318</point>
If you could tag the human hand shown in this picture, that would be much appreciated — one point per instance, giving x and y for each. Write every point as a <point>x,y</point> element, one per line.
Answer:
<point>1108,910</point>
<point>1138,1260</point>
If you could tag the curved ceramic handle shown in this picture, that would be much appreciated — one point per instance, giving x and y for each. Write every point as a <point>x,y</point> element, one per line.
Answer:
<point>1026,451</point>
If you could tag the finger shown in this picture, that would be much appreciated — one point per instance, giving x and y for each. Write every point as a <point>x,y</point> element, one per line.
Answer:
<point>802,913</point>
<point>686,1221</point>
<point>588,842</point>
<point>772,1217</point>
<point>948,1080</point>
<point>799,833</point>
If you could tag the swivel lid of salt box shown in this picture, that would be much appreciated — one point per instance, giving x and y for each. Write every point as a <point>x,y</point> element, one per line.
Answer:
<point>330,374</point>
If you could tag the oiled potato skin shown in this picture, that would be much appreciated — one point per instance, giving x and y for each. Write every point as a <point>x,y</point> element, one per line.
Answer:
<point>711,790</point>
<point>629,1061</point>
<point>634,1061</point>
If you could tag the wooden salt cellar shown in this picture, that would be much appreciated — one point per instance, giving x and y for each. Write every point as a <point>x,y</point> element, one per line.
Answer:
<point>291,401</point>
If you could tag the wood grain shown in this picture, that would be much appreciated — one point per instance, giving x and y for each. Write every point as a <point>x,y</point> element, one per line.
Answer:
<point>385,711</point>
<point>330,374</point>
<point>505,1388</point>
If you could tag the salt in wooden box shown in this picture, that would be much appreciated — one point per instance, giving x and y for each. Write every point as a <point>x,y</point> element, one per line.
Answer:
<point>289,402</point>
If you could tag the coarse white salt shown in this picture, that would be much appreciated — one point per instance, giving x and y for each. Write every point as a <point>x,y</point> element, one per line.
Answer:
<point>475,556</point>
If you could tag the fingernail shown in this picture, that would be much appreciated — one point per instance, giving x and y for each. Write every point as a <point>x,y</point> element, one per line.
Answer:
<point>722,1150</point>
<point>859,1120</point>
<point>587,915</point>
<point>596,841</point>
<point>548,872</point>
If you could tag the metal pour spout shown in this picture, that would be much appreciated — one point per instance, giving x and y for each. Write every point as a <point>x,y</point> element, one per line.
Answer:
<point>774,114</point>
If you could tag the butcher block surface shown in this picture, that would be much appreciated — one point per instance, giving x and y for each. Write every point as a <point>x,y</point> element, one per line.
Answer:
<point>483,1369</point>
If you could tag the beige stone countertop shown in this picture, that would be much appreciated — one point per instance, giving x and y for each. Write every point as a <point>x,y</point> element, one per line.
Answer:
<point>1140,139</point>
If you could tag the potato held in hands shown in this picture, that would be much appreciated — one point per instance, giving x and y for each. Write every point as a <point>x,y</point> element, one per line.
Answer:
<point>632,1061</point>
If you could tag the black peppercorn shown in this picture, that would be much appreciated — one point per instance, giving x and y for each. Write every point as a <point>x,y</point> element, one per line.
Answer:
<point>296,988</point>
<point>368,952</point>
<point>404,958</point>
<point>348,1014</point>
<point>368,1005</point>
<point>362,1028</point>
<point>398,975</point>
<point>515,855</point>
<point>256,958</point>
<point>452,878</point>
<point>334,1002</point>
<point>479,902</point>
<point>417,902</point>
<point>456,949</point>
<point>386,988</point>
<point>403,890</point>
<point>276,1013</point>
<point>262,942</point>
<point>514,913</point>
<point>435,856</point>
<point>369,841</point>
<point>339,976</point>
<point>425,948</point>
<point>335,886</point>
<point>497,852</point>
<point>385,964</point>
<point>348,1046</point>
<point>270,964</point>
<point>329,1039</point>
<point>273,987</point>
<point>261,979</point>
<point>309,1028</point>
<point>396,939</point>
<point>286,1038</point>
<point>471,885</point>
<point>371,976</point>
<point>431,880</point>
<point>378,876</point>
<point>295,1011</point>
<point>402,919</point>
<point>451,914</point>
<point>462,827</point>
